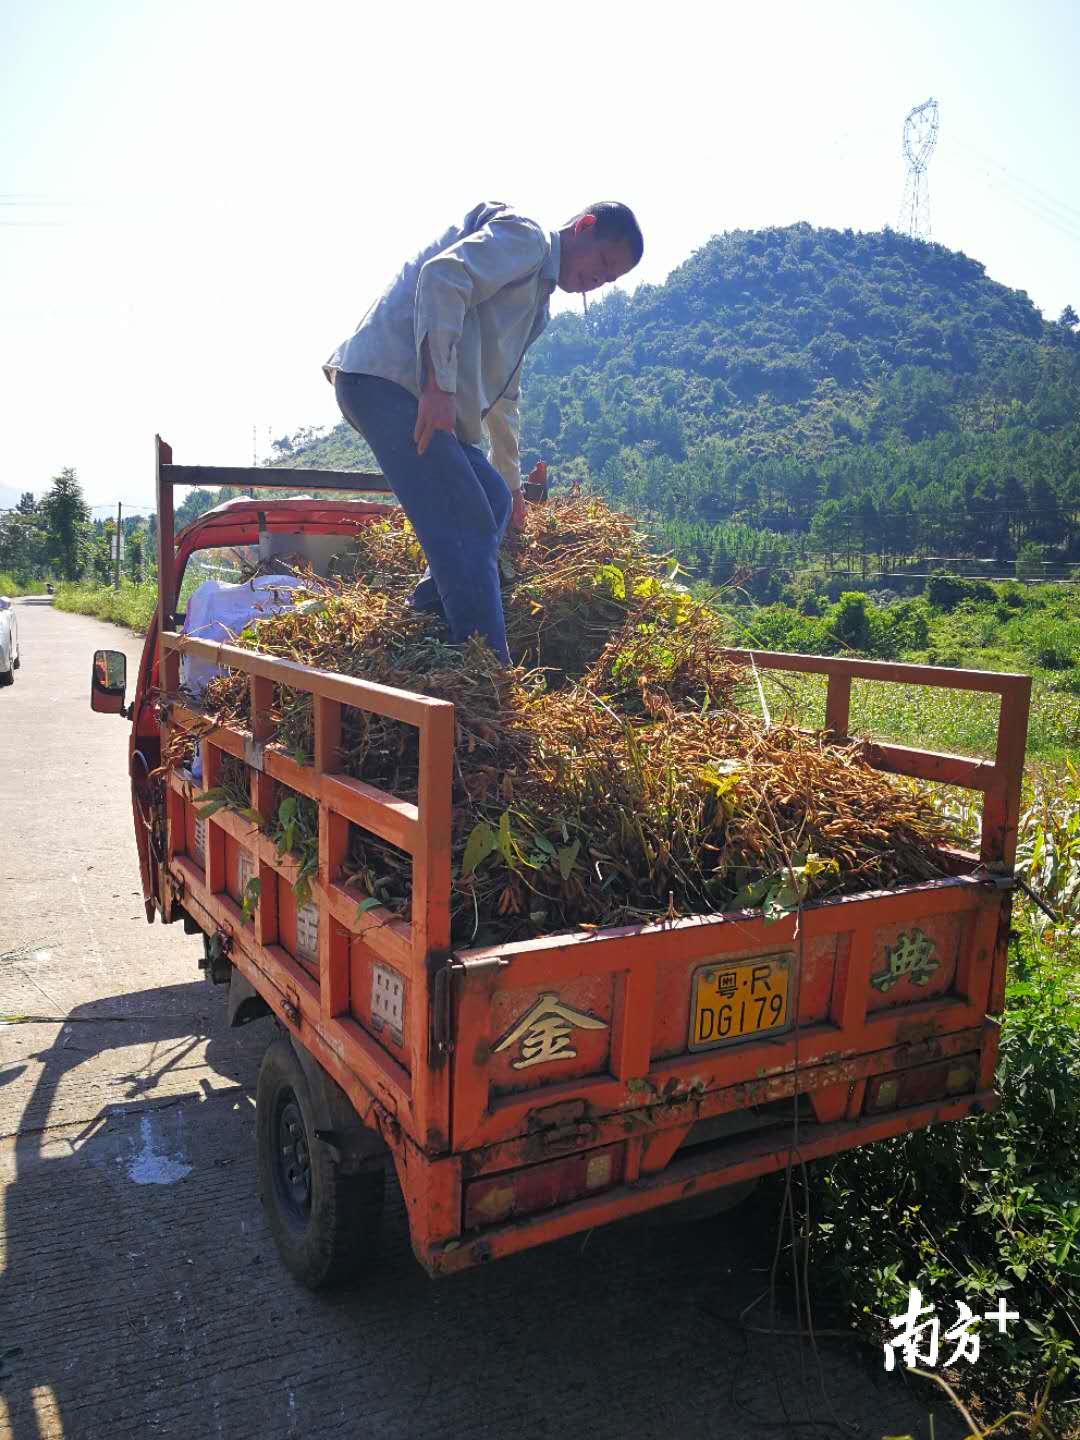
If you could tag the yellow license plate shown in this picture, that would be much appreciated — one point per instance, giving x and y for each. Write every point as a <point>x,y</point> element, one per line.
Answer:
<point>731,1002</point>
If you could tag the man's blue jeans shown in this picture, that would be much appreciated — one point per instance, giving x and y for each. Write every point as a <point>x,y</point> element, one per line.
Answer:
<point>458,504</point>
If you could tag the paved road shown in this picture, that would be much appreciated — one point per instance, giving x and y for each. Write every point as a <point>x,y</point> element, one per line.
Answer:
<point>141,1294</point>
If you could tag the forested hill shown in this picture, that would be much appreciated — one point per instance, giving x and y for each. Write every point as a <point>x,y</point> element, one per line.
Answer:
<point>865,391</point>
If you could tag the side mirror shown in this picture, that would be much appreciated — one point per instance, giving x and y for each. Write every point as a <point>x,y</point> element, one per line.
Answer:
<point>108,681</point>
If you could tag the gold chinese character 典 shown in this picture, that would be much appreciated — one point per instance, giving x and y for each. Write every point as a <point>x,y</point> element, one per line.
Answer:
<point>544,1032</point>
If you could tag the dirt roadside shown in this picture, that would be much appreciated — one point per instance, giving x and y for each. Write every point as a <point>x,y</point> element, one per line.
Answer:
<point>140,1293</point>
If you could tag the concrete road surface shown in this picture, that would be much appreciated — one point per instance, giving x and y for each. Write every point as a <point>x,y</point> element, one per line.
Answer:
<point>141,1295</point>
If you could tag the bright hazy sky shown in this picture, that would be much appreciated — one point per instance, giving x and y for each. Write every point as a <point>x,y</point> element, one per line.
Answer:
<point>199,200</point>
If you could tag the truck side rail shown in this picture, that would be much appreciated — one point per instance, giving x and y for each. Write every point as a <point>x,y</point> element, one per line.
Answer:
<point>998,780</point>
<point>418,948</point>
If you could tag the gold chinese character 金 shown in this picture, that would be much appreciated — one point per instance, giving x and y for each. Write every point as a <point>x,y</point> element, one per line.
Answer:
<point>545,1032</point>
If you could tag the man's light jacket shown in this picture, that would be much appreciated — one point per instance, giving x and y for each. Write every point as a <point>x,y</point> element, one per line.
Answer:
<point>480,296</point>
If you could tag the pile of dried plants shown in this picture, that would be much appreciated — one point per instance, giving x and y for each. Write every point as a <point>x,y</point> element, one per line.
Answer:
<point>612,775</point>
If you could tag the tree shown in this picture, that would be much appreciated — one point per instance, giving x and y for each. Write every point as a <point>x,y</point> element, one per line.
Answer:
<point>1029,561</point>
<point>133,539</point>
<point>196,503</point>
<point>849,621</point>
<point>829,530</point>
<point>551,423</point>
<point>27,504</point>
<point>1068,319</point>
<point>22,544</point>
<point>66,518</point>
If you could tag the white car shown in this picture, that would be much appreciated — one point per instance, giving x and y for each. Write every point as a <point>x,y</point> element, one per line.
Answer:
<point>9,642</point>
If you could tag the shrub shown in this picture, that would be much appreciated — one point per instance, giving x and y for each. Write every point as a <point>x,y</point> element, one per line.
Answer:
<point>979,1208</point>
<point>1051,641</point>
<point>1029,561</point>
<point>902,627</point>
<point>1015,596</point>
<point>131,605</point>
<point>945,592</point>
<point>776,627</point>
<point>849,621</point>
<point>11,585</point>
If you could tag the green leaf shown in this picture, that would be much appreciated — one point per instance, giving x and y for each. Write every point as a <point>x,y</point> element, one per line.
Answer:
<point>814,866</point>
<point>505,839</point>
<point>210,801</point>
<point>371,903</point>
<point>478,847</point>
<point>568,858</point>
<point>681,609</point>
<point>252,891</point>
<point>718,778</point>
<point>751,896</point>
<point>611,579</point>
<point>786,896</point>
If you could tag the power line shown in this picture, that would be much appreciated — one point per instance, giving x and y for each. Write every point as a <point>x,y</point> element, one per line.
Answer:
<point>1033,209</point>
<point>1037,202</point>
<point>1069,212</point>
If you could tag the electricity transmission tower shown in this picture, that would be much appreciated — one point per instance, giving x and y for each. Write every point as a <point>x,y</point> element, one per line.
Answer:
<point>920,137</point>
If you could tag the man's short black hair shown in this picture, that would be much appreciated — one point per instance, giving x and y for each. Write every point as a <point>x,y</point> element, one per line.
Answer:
<point>617,223</point>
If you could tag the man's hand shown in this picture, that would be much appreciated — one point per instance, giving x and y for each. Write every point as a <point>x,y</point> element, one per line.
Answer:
<point>535,487</point>
<point>517,514</point>
<point>437,409</point>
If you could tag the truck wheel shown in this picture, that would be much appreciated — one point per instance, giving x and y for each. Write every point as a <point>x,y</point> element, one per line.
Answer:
<point>7,677</point>
<point>325,1223</point>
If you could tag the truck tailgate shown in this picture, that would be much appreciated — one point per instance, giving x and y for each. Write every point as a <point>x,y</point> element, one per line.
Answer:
<point>696,1017</point>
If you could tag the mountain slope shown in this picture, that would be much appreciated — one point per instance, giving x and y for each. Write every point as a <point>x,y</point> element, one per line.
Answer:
<point>862,390</point>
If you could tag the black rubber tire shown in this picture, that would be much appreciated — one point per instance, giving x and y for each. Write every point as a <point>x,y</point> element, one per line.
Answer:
<point>7,677</point>
<point>326,1225</point>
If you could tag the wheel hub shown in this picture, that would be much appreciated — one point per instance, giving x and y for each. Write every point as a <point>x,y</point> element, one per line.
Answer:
<point>293,1157</point>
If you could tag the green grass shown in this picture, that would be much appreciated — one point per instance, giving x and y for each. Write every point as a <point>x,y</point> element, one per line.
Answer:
<point>132,605</point>
<point>957,721</point>
<point>1033,631</point>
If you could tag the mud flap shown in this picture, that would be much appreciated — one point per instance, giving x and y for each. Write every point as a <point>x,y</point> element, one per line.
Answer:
<point>337,1125</point>
<point>245,1002</point>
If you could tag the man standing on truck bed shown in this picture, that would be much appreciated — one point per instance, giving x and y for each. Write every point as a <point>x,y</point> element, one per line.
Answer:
<point>439,355</point>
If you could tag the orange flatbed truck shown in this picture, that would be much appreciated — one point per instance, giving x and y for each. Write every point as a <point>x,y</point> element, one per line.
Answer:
<point>533,1090</point>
